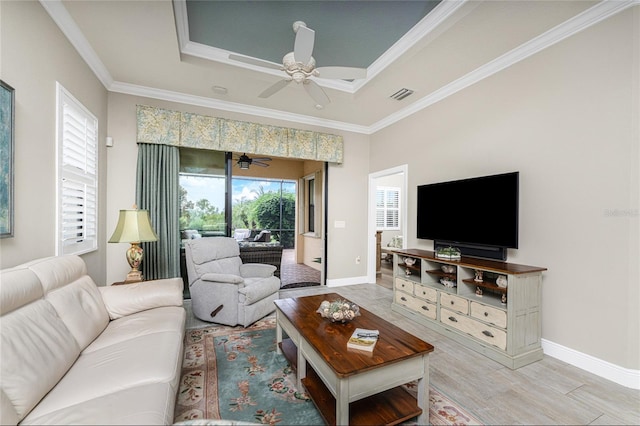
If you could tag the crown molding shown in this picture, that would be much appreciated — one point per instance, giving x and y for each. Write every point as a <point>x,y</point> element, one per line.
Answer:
<point>68,26</point>
<point>167,95</point>
<point>580,22</point>
<point>588,18</point>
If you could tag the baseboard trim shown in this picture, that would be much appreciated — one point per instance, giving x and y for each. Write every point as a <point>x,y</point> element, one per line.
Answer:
<point>620,375</point>
<point>347,281</point>
<point>623,376</point>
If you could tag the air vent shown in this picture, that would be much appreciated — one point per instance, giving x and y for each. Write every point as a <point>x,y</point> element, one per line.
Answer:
<point>401,94</point>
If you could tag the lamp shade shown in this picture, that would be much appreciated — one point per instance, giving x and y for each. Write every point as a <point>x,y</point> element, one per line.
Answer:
<point>133,227</point>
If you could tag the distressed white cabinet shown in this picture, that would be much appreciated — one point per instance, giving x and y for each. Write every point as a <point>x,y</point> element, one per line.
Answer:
<point>462,299</point>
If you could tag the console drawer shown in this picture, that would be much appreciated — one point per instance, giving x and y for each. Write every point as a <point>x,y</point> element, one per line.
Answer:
<point>425,293</point>
<point>489,314</point>
<point>404,285</point>
<point>422,307</point>
<point>402,298</point>
<point>492,335</point>
<point>454,303</point>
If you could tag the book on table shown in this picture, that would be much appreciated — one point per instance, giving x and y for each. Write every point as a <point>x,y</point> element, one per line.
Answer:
<point>363,339</point>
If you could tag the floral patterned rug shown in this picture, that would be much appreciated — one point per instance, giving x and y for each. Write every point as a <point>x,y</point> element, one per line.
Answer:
<point>234,373</point>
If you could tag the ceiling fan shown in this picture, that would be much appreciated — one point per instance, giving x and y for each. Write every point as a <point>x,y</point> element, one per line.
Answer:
<point>244,161</point>
<point>300,66</point>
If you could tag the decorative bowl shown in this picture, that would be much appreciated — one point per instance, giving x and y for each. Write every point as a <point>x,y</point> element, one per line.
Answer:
<point>339,310</point>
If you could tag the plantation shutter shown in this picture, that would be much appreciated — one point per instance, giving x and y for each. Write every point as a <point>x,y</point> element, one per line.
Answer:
<point>387,208</point>
<point>77,176</point>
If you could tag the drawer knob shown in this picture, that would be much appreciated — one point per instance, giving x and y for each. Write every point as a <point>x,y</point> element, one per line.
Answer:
<point>452,302</point>
<point>404,299</point>
<point>453,319</point>
<point>425,308</point>
<point>487,333</point>
<point>486,314</point>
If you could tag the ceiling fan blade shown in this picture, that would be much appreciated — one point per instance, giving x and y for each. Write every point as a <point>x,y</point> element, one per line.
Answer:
<point>258,163</point>
<point>254,61</point>
<point>316,92</point>
<point>274,88</point>
<point>344,73</point>
<point>262,159</point>
<point>303,46</point>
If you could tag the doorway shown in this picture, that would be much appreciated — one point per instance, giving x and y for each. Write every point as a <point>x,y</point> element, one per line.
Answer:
<point>387,224</point>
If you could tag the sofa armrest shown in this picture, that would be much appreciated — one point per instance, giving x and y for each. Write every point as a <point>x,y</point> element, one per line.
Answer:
<point>123,300</point>
<point>257,270</point>
<point>222,278</point>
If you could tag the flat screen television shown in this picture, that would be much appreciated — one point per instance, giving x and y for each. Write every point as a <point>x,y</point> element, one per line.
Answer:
<point>476,213</point>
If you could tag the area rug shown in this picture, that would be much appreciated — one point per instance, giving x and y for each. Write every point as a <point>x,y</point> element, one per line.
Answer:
<point>298,285</point>
<point>234,373</point>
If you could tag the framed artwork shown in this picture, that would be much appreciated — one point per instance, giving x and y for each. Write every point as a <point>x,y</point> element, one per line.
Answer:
<point>7,118</point>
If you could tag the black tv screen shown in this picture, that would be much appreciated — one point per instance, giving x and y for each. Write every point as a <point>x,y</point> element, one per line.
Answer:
<point>480,211</point>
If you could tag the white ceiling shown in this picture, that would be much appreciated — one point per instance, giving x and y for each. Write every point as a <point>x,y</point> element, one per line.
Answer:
<point>143,48</point>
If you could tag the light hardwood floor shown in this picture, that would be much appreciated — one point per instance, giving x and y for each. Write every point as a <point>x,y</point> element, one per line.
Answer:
<point>545,392</point>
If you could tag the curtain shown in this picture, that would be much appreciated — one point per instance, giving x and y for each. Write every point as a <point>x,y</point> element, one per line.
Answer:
<point>157,191</point>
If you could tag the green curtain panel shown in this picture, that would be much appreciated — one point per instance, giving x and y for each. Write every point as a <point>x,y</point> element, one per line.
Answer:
<point>157,191</point>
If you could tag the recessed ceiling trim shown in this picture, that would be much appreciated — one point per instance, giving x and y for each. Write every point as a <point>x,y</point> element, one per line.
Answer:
<point>202,51</point>
<point>428,24</point>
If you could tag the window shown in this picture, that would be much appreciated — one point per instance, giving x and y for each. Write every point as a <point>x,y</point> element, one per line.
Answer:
<point>311,191</point>
<point>203,184</point>
<point>387,208</point>
<point>77,176</point>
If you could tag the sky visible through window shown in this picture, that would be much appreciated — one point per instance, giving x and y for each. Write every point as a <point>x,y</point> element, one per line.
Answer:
<point>209,187</point>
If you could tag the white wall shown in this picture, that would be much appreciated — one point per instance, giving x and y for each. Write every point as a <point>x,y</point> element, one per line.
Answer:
<point>567,119</point>
<point>34,54</point>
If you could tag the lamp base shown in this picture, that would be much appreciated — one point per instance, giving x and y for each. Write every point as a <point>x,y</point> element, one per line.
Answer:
<point>134,257</point>
<point>133,277</point>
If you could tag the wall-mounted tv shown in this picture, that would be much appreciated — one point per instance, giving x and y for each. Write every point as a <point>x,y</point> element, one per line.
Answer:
<point>476,213</point>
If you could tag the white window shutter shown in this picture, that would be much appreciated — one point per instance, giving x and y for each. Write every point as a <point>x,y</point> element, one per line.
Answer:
<point>77,137</point>
<point>387,208</point>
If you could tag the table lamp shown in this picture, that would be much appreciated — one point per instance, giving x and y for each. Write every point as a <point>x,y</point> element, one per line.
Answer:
<point>133,227</point>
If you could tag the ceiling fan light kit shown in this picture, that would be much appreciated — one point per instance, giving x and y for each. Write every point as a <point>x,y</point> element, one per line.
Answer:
<point>244,161</point>
<point>300,67</point>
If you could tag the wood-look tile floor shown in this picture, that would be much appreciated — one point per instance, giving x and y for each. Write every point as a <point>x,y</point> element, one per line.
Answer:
<point>545,392</point>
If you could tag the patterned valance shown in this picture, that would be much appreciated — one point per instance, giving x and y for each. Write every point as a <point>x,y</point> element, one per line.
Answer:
<point>161,126</point>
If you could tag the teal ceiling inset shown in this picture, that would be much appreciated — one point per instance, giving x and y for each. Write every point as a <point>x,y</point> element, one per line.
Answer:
<point>348,33</point>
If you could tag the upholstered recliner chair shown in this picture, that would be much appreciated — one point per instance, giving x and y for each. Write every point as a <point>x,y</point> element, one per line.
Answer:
<point>223,289</point>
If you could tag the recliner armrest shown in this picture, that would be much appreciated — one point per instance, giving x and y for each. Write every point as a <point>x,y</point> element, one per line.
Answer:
<point>257,270</point>
<point>127,299</point>
<point>222,278</point>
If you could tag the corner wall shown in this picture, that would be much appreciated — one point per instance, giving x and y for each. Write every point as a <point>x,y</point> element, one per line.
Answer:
<point>34,54</point>
<point>567,119</point>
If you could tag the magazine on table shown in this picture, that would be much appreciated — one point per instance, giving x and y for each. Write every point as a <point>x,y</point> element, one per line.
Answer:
<point>363,339</point>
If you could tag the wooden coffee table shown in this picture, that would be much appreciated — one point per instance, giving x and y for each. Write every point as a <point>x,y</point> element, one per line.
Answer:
<point>350,386</point>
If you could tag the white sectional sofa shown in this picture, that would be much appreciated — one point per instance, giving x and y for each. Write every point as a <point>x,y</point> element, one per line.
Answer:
<point>75,353</point>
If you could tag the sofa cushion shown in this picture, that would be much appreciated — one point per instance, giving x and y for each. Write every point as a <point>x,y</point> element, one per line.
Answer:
<point>125,407</point>
<point>171,319</point>
<point>127,299</point>
<point>153,358</point>
<point>37,350</point>
<point>81,308</point>
<point>19,287</point>
<point>58,271</point>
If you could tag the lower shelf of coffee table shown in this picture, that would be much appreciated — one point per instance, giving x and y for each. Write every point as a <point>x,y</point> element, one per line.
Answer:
<point>390,407</point>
